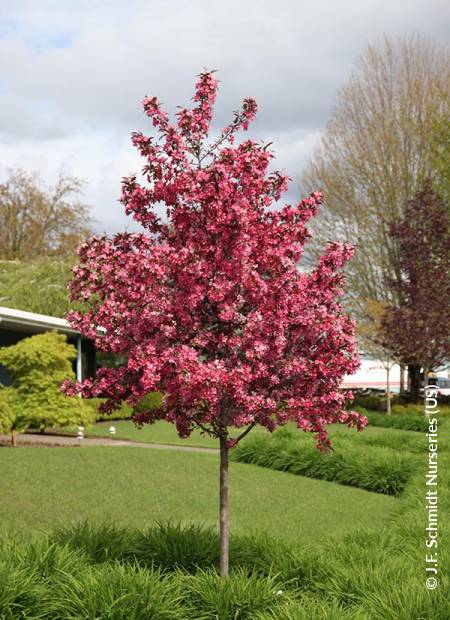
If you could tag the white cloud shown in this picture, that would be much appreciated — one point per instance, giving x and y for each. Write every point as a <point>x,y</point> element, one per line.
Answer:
<point>73,73</point>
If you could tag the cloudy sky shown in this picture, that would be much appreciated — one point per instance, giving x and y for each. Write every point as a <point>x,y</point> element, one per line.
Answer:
<point>73,73</point>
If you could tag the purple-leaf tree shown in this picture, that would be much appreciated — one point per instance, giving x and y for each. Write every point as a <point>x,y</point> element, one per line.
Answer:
<point>209,306</point>
<point>417,330</point>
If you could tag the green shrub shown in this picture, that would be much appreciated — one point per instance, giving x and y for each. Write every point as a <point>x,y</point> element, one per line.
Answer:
<point>409,409</point>
<point>152,400</point>
<point>28,570</point>
<point>98,543</point>
<point>394,440</point>
<point>39,364</point>
<point>373,402</point>
<point>171,547</point>
<point>310,608</point>
<point>125,411</point>
<point>417,409</point>
<point>381,471</point>
<point>7,416</point>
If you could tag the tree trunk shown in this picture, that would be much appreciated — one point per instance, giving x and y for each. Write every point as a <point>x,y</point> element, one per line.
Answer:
<point>414,382</point>
<point>224,532</point>
<point>402,378</point>
<point>13,438</point>
<point>388,391</point>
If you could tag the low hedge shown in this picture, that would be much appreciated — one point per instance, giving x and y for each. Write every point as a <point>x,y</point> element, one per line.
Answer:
<point>418,409</point>
<point>400,404</point>
<point>395,439</point>
<point>374,402</point>
<point>382,470</point>
<point>405,422</point>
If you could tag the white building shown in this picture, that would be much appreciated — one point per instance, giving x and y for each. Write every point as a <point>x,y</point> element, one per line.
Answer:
<point>17,324</point>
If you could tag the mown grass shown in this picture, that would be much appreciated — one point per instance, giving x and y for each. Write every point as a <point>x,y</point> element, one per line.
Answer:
<point>43,487</point>
<point>132,569</point>
<point>159,432</point>
<point>165,433</point>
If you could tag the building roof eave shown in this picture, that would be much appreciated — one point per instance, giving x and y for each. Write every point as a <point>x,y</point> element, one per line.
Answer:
<point>11,317</point>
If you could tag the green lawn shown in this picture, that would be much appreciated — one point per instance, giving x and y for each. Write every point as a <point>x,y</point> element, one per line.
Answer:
<point>159,432</point>
<point>163,432</point>
<point>44,487</point>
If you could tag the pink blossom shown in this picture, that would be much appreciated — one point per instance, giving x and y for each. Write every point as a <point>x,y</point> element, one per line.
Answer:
<point>210,307</point>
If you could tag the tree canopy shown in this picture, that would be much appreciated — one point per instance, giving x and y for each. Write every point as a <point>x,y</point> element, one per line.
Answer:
<point>375,153</point>
<point>37,286</point>
<point>210,308</point>
<point>417,329</point>
<point>37,221</point>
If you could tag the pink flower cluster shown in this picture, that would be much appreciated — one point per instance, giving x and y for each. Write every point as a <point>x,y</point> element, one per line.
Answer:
<point>210,307</point>
<point>194,124</point>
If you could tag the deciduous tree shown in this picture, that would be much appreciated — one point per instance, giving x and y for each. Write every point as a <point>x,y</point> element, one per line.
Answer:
<point>37,221</point>
<point>210,308</point>
<point>418,328</point>
<point>376,151</point>
<point>441,155</point>
<point>371,339</point>
<point>37,286</point>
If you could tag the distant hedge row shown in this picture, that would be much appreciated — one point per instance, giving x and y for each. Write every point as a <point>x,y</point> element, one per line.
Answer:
<point>403,421</point>
<point>377,402</point>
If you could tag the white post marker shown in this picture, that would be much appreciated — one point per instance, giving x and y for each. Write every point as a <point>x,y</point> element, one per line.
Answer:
<point>80,433</point>
<point>112,430</point>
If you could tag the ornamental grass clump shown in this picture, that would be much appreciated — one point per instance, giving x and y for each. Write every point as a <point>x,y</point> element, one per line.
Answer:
<point>208,306</point>
<point>381,470</point>
<point>403,421</point>
<point>173,546</point>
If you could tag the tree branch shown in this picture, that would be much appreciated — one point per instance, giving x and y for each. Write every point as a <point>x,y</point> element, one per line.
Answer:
<point>247,430</point>
<point>205,430</point>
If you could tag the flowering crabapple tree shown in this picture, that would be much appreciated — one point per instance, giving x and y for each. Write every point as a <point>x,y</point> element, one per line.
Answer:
<point>209,305</point>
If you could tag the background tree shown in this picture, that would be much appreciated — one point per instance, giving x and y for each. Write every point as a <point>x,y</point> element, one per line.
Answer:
<point>441,155</point>
<point>37,286</point>
<point>418,328</point>
<point>210,308</point>
<point>375,153</point>
<point>38,221</point>
<point>371,341</point>
<point>39,364</point>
